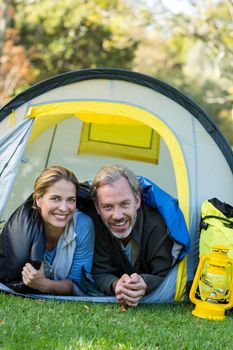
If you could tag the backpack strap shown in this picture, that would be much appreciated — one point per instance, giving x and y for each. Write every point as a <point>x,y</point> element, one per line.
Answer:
<point>223,207</point>
<point>226,222</point>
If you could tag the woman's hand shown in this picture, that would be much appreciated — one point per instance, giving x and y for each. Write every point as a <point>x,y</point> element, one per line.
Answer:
<point>36,279</point>
<point>33,278</point>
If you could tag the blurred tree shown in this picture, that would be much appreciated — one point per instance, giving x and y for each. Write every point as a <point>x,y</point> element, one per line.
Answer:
<point>209,64</point>
<point>15,67</point>
<point>65,35</point>
<point>194,52</point>
<point>191,50</point>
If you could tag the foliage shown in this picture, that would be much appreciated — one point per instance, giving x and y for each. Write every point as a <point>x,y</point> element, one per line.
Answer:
<point>67,35</point>
<point>34,324</point>
<point>15,68</point>
<point>209,66</point>
<point>198,51</point>
<point>191,50</point>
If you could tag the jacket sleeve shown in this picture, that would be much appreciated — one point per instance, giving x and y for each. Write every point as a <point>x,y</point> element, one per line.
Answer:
<point>157,250</point>
<point>83,255</point>
<point>104,271</point>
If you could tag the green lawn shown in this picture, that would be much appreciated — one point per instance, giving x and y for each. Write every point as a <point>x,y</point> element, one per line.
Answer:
<point>34,324</point>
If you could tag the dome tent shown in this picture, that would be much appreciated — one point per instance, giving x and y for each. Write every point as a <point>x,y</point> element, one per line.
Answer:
<point>72,119</point>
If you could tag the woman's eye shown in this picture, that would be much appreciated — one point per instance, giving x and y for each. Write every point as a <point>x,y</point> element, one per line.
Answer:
<point>55,199</point>
<point>72,200</point>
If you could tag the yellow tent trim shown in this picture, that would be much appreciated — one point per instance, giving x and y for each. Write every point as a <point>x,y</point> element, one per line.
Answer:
<point>11,120</point>
<point>119,113</point>
<point>87,111</point>
<point>42,124</point>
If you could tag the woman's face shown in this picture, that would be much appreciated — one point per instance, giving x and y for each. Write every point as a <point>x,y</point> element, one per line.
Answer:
<point>57,205</point>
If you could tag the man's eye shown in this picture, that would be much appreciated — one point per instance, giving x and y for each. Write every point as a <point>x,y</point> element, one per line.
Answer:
<point>107,208</point>
<point>125,205</point>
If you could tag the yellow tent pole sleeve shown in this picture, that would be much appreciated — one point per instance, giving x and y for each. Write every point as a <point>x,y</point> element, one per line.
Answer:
<point>87,111</point>
<point>11,120</point>
<point>100,112</point>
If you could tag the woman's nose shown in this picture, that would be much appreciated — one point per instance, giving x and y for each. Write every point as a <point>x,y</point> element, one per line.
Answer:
<point>63,206</point>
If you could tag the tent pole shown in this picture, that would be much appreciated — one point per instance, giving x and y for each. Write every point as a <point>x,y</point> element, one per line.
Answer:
<point>51,145</point>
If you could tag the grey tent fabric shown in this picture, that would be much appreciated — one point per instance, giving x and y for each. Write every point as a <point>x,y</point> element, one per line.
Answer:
<point>11,150</point>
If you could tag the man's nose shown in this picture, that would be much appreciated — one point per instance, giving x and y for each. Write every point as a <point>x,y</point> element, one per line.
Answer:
<point>117,213</point>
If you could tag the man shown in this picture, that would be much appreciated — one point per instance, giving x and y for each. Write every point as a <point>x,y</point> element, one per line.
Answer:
<point>133,248</point>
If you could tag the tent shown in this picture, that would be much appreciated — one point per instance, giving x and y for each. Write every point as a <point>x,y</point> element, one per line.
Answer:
<point>88,118</point>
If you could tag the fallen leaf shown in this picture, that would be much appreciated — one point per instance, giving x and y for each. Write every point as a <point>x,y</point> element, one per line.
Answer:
<point>123,308</point>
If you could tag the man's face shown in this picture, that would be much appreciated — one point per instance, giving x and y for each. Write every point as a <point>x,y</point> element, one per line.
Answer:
<point>117,206</point>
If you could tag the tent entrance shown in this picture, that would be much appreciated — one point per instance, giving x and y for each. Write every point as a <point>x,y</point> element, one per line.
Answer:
<point>55,139</point>
<point>120,114</point>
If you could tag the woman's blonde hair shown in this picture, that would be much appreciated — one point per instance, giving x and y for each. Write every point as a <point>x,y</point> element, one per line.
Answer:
<point>48,177</point>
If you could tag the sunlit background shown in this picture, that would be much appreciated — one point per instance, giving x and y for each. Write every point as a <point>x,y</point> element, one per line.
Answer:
<point>188,44</point>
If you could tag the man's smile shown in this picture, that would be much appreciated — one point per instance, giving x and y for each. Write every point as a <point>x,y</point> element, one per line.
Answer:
<point>120,224</point>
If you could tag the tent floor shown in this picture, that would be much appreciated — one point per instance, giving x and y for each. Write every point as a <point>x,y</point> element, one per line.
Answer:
<point>5,289</point>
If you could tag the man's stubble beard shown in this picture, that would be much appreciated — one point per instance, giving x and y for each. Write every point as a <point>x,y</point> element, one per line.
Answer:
<point>127,233</point>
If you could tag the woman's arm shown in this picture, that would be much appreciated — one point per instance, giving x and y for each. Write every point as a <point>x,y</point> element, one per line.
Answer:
<point>36,279</point>
<point>83,255</point>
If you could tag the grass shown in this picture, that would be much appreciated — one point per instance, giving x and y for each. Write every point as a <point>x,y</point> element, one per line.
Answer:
<point>34,324</point>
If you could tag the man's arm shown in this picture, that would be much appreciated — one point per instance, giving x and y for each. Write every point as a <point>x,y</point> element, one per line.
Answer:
<point>156,251</point>
<point>160,264</point>
<point>104,271</point>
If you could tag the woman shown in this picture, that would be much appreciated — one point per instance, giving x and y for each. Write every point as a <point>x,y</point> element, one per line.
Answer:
<point>68,235</point>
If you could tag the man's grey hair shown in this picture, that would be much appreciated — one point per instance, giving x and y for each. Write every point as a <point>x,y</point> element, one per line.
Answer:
<point>108,174</point>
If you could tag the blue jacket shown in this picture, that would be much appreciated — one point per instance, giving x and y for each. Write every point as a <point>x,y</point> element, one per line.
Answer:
<point>168,207</point>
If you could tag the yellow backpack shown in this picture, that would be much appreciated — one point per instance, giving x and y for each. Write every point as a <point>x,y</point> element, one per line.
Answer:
<point>216,226</point>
